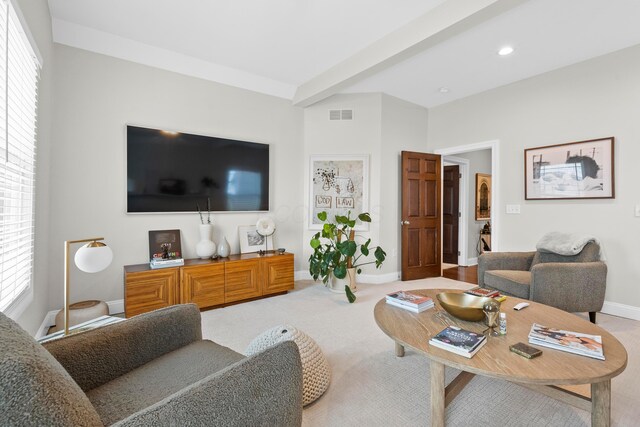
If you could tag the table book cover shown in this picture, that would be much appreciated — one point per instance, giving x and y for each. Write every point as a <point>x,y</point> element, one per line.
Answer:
<point>408,298</point>
<point>572,342</point>
<point>459,338</point>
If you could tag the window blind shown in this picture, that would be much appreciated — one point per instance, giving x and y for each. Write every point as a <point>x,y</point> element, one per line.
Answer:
<point>19,71</point>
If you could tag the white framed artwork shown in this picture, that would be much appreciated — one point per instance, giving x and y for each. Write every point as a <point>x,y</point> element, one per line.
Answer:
<point>250,239</point>
<point>338,184</point>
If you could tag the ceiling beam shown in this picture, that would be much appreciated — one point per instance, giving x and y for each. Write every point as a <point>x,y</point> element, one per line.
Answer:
<point>437,25</point>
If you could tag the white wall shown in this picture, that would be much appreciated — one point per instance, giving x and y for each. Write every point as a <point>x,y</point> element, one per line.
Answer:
<point>96,96</point>
<point>36,14</point>
<point>597,98</point>
<point>382,127</point>
<point>479,162</point>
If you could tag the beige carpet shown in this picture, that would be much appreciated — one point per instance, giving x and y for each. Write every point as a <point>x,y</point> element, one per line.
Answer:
<point>372,387</point>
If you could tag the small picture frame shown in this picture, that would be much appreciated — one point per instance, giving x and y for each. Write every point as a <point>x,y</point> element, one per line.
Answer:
<point>164,245</point>
<point>483,197</point>
<point>250,239</point>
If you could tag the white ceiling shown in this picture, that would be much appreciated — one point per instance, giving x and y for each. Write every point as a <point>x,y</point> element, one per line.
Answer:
<point>275,46</point>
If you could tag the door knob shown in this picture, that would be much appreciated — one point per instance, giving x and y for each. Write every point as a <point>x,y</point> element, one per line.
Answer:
<point>404,222</point>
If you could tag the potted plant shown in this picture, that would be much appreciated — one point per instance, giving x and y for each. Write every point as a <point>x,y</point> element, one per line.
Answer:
<point>337,254</point>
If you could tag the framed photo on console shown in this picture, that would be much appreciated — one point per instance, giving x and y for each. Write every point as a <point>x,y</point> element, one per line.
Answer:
<point>575,170</point>
<point>250,239</point>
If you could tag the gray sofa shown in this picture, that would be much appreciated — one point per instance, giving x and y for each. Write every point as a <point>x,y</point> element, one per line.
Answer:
<point>154,369</point>
<point>572,283</point>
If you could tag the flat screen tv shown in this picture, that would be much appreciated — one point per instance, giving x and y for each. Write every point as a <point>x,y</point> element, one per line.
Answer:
<point>172,171</point>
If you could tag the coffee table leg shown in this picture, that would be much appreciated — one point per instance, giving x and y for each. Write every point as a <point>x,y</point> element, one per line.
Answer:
<point>601,404</point>
<point>437,394</point>
<point>399,350</point>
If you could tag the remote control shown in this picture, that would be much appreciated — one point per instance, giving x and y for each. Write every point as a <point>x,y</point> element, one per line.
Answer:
<point>521,306</point>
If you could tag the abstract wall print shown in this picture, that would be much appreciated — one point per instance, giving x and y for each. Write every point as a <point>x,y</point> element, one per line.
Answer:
<point>483,197</point>
<point>576,170</point>
<point>339,183</point>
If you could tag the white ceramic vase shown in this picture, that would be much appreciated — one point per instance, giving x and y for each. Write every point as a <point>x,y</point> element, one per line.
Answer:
<point>223,248</point>
<point>337,285</point>
<point>205,248</point>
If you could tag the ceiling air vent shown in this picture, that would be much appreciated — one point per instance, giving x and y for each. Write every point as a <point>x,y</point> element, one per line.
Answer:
<point>340,114</point>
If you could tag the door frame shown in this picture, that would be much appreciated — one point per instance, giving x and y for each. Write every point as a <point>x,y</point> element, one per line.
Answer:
<point>494,146</point>
<point>463,228</point>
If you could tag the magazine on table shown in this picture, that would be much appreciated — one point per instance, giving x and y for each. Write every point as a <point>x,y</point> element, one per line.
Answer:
<point>569,341</point>
<point>410,299</point>
<point>418,309</point>
<point>482,292</point>
<point>459,341</point>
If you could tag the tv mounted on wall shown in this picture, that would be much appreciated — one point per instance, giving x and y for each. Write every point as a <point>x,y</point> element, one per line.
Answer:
<point>172,171</point>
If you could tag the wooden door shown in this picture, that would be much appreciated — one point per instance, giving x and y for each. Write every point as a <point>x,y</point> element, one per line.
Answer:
<point>277,274</point>
<point>150,290</point>
<point>450,213</point>
<point>203,285</point>
<point>242,280</point>
<point>420,215</point>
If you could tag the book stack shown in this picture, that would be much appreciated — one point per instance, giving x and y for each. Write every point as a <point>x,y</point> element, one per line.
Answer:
<point>164,263</point>
<point>572,342</point>
<point>459,341</point>
<point>408,301</point>
<point>484,292</point>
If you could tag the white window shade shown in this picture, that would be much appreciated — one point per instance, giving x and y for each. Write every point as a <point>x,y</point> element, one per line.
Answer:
<point>19,70</point>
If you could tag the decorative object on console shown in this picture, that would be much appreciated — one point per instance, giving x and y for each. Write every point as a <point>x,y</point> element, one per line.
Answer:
<point>164,245</point>
<point>265,227</point>
<point>224,249</point>
<point>205,248</point>
<point>208,211</point>
<point>339,184</point>
<point>576,170</point>
<point>336,252</point>
<point>250,239</point>
<point>93,257</point>
<point>483,197</point>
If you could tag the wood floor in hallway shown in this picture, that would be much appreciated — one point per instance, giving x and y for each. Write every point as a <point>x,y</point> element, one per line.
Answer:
<point>464,274</point>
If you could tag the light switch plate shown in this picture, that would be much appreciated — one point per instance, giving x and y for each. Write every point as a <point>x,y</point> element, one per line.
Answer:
<point>513,209</point>
<point>638,210</point>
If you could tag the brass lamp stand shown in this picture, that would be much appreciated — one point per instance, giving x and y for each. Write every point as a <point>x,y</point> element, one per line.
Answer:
<point>93,257</point>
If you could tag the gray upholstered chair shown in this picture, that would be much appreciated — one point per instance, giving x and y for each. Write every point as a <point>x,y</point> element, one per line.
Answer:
<point>572,283</point>
<point>154,369</point>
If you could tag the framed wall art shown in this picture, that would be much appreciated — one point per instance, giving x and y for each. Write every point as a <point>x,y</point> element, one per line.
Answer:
<point>250,239</point>
<point>339,183</point>
<point>576,170</point>
<point>483,197</point>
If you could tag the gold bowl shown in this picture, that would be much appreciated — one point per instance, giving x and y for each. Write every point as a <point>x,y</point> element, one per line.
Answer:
<point>463,306</point>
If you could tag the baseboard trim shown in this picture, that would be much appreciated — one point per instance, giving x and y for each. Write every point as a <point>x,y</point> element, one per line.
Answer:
<point>472,261</point>
<point>621,310</point>
<point>374,279</point>
<point>115,307</point>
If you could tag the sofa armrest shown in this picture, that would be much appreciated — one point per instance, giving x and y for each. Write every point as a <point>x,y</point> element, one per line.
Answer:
<point>503,261</point>
<point>573,287</point>
<point>262,390</point>
<point>100,355</point>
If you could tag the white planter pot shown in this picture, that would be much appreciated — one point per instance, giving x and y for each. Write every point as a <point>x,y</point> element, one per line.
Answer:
<point>337,285</point>
<point>205,247</point>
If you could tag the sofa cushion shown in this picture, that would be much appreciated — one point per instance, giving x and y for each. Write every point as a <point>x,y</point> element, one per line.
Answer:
<point>159,379</point>
<point>590,253</point>
<point>34,388</point>
<point>512,282</point>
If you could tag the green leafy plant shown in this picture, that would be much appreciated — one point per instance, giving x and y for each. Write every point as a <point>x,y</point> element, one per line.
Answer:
<point>337,248</point>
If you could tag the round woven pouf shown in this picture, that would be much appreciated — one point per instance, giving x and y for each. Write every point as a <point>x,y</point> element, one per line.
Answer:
<point>316,375</point>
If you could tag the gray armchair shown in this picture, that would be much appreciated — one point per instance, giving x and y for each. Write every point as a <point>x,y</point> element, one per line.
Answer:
<point>154,369</point>
<point>572,283</point>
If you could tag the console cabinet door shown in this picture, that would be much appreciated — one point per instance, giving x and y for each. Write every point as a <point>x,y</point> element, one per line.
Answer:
<point>203,285</point>
<point>242,280</point>
<point>277,274</point>
<point>150,290</point>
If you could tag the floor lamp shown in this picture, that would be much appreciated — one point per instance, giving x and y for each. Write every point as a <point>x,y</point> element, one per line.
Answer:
<point>93,257</point>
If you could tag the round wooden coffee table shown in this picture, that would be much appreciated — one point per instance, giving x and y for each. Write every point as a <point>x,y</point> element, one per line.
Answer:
<point>545,373</point>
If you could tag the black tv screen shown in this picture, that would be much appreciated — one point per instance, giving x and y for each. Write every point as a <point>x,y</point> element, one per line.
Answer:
<point>174,171</point>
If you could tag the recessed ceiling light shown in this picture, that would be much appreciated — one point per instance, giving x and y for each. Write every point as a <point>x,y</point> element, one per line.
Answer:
<point>444,89</point>
<point>507,50</point>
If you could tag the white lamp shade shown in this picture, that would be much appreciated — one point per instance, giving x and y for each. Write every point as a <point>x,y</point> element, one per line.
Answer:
<point>91,258</point>
<point>265,226</point>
